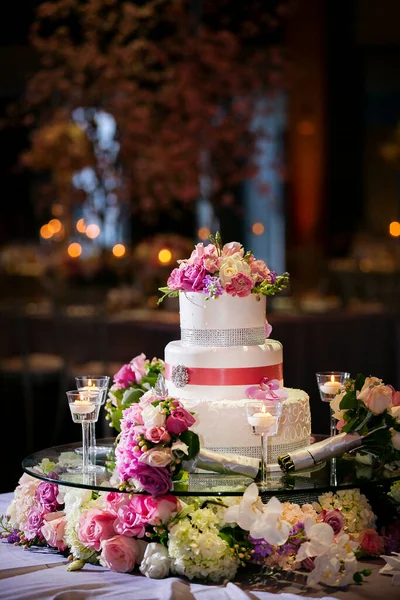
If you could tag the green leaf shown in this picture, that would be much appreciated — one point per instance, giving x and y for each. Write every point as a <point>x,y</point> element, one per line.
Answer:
<point>191,439</point>
<point>359,382</point>
<point>349,400</point>
<point>116,417</point>
<point>132,398</point>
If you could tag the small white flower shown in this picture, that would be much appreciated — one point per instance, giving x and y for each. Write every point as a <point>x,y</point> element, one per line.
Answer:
<point>156,562</point>
<point>153,416</point>
<point>270,526</point>
<point>247,511</point>
<point>180,447</point>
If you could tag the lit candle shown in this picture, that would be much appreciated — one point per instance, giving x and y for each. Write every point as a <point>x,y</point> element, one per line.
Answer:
<point>331,387</point>
<point>82,407</point>
<point>261,419</point>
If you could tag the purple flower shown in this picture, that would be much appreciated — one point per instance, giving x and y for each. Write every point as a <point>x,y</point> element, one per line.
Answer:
<point>13,537</point>
<point>261,549</point>
<point>296,537</point>
<point>33,524</point>
<point>46,494</point>
<point>334,518</point>
<point>273,275</point>
<point>212,286</point>
<point>155,480</point>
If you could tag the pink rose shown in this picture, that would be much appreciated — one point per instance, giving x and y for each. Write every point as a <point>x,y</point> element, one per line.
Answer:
<point>334,518</point>
<point>129,522</point>
<point>192,279</point>
<point>240,285</point>
<point>157,457</point>
<point>259,270</point>
<point>95,526</point>
<point>232,248</point>
<point>53,530</point>
<point>179,421</point>
<point>157,435</point>
<point>33,524</point>
<point>174,281</point>
<point>125,377</point>
<point>138,366</point>
<point>377,398</point>
<point>119,553</point>
<point>155,510</point>
<point>46,494</point>
<point>201,253</point>
<point>154,480</point>
<point>115,500</point>
<point>371,542</point>
<point>395,397</point>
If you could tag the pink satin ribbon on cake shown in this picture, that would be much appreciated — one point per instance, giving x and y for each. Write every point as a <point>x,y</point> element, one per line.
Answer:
<point>242,376</point>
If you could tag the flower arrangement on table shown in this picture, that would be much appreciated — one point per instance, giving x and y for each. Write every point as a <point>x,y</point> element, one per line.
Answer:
<point>129,384</point>
<point>217,268</point>
<point>209,538</point>
<point>371,408</point>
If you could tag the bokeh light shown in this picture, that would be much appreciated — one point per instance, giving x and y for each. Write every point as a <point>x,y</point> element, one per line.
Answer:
<point>203,233</point>
<point>119,250</point>
<point>92,231</point>
<point>81,226</point>
<point>55,225</point>
<point>394,228</point>
<point>164,256</point>
<point>74,250</point>
<point>257,228</point>
<point>46,232</point>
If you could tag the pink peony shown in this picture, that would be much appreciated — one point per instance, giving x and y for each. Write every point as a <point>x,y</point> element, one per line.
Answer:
<point>240,285</point>
<point>154,480</point>
<point>155,510</point>
<point>138,366</point>
<point>95,526</point>
<point>129,521</point>
<point>125,377</point>
<point>46,494</point>
<point>371,542</point>
<point>119,553</point>
<point>157,435</point>
<point>202,253</point>
<point>34,523</point>
<point>192,279</point>
<point>179,421</point>
<point>53,530</point>
<point>175,279</point>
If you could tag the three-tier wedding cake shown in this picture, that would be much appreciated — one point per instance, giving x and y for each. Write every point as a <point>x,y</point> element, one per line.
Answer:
<point>224,350</point>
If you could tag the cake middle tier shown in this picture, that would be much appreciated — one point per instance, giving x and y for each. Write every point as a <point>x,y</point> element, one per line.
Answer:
<point>215,373</point>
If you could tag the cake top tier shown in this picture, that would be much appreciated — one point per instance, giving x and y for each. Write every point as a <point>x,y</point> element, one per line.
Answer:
<point>217,269</point>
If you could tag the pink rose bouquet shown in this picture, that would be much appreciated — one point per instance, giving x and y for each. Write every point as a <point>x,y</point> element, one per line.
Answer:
<point>219,268</point>
<point>155,437</point>
<point>129,384</point>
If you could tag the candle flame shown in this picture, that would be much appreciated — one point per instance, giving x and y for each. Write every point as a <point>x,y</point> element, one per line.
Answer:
<point>263,408</point>
<point>333,378</point>
<point>90,383</point>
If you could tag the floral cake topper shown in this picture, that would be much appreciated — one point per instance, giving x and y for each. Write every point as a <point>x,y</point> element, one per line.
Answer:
<point>218,268</point>
<point>268,389</point>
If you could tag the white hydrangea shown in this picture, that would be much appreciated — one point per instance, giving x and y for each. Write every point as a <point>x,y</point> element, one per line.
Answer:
<point>23,500</point>
<point>353,505</point>
<point>76,501</point>
<point>196,550</point>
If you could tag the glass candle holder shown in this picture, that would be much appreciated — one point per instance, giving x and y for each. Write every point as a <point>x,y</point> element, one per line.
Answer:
<point>94,385</point>
<point>331,383</point>
<point>263,417</point>
<point>85,408</point>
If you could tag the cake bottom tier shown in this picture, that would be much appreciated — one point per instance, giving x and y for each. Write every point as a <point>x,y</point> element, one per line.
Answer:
<point>222,426</point>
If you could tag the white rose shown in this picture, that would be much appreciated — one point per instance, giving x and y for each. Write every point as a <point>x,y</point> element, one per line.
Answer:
<point>156,562</point>
<point>335,406</point>
<point>232,265</point>
<point>377,398</point>
<point>153,416</point>
<point>156,458</point>
<point>395,412</point>
<point>180,447</point>
<point>395,439</point>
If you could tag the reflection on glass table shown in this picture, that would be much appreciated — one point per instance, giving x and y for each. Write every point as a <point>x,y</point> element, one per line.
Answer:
<point>301,487</point>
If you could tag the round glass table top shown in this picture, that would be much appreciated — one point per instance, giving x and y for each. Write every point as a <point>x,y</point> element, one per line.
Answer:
<point>61,464</point>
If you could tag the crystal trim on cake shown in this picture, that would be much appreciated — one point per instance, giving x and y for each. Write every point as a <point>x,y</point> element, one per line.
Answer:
<point>274,450</point>
<point>245,336</point>
<point>180,376</point>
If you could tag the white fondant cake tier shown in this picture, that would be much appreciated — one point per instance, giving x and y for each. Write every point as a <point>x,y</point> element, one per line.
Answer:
<point>222,425</point>
<point>222,321</point>
<point>217,373</point>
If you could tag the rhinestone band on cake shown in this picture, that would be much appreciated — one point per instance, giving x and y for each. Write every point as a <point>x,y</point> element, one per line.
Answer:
<point>223,338</point>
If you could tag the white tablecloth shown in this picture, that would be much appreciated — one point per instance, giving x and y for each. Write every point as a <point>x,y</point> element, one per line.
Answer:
<point>38,575</point>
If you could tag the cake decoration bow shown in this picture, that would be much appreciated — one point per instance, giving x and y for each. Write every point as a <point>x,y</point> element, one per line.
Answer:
<point>268,389</point>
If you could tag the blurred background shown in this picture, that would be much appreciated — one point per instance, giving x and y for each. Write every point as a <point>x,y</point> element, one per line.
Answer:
<point>132,129</point>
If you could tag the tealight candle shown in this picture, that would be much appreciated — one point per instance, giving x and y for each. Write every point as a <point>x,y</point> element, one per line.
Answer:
<point>330,387</point>
<point>82,407</point>
<point>261,419</point>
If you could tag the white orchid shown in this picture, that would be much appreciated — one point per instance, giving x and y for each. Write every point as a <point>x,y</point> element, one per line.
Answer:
<point>247,511</point>
<point>330,570</point>
<point>320,536</point>
<point>270,526</point>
